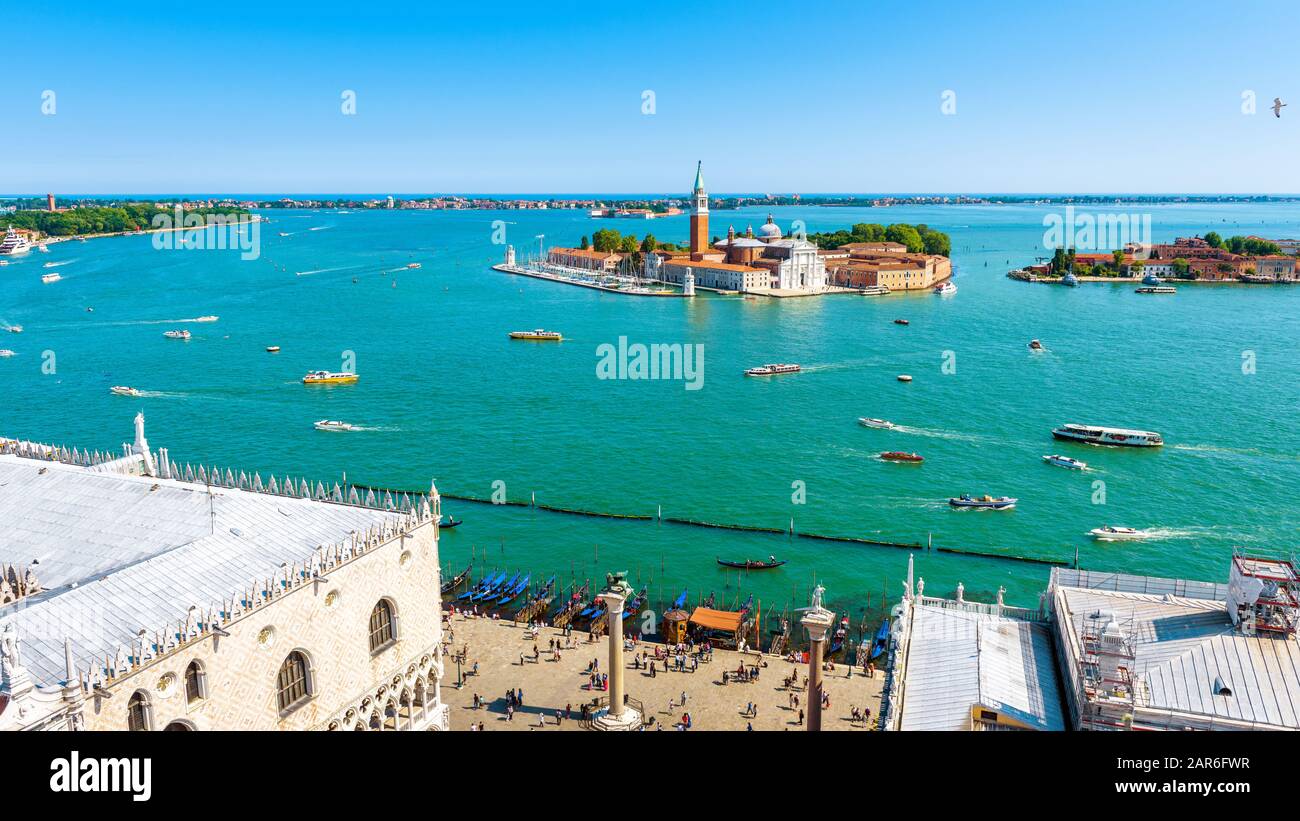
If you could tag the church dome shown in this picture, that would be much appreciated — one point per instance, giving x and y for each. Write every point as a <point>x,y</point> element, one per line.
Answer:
<point>769,229</point>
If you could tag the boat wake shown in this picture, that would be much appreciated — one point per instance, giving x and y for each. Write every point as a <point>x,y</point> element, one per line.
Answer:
<point>57,264</point>
<point>938,434</point>
<point>326,270</point>
<point>321,228</point>
<point>377,428</point>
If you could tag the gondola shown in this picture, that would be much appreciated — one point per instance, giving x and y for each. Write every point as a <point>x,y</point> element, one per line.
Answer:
<point>635,604</point>
<point>881,643</point>
<point>450,523</point>
<point>458,580</point>
<point>750,564</point>
<point>511,593</point>
<point>679,602</point>
<point>483,584</point>
<point>499,590</point>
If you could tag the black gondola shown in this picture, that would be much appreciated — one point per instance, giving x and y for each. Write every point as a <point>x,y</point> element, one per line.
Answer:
<point>450,523</point>
<point>750,564</point>
<point>456,582</point>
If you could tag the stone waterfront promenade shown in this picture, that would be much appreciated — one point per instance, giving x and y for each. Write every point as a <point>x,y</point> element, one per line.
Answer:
<point>550,685</point>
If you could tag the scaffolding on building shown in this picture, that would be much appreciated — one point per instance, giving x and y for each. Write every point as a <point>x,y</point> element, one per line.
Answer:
<point>1106,665</point>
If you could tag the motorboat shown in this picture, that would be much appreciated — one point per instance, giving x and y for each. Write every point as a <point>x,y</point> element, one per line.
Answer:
<point>413,265</point>
<point>14,329</point>
<point>181,334</point>
<point>773,369</point>
<point>1069,280</point>
<point>6,353</point>
<point>1065,462</point>
<point>902,456</point>
<point>51,277</point>
<point>946,289</point>
<point>1119,437</point>
<point>272,348</point>
<point>14,243</point>
<point>124,390</point>
<point>332,424</point>
<point>329,378</point>
<point>537,334</point>
<point>1035,345</point>
<point>1114,533</point>
<point>903,377</point>
<point>874,290</point>
<point>207,318</point>
<point>902,322</point>
<point>868,422</point>
<point>984,502</point>
<point>1156,289</point>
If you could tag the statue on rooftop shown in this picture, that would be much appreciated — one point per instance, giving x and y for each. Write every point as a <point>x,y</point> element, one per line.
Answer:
<point>9,648</point>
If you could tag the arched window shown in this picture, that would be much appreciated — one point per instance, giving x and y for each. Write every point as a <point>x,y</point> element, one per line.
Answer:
<point>383,629</point>
<point>293,684</point>
<point>139,713</point>
<point>196,683</point>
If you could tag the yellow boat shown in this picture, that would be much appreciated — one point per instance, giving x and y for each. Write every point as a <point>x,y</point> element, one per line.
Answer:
<point>537,334</point>
<point>329,378</point>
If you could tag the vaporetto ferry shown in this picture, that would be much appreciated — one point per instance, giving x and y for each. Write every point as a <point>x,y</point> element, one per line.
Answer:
<point>1119,437</point>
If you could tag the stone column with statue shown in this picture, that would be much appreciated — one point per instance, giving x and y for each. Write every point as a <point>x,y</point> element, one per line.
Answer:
<point>619,716</point>
<point>817,620</point>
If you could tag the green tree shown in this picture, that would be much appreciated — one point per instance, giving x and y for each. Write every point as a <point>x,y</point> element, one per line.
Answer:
<point>1214,240</point>
<point>584,244</point>
<point>906,235</point>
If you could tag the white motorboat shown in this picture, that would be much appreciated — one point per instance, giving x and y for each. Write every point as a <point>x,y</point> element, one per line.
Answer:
<point>51,277</point>
<point>206,318</point>
<point>6,353</point>
<point>773,369</point>
<point>1065,462</point>
<point>1036,345</point>
<point>332,424</point>
<point>124,390</point>
<point>1109,533</point>
<point>1098,435</point>
<point>868,422</point>
<point>946,289</point>
<point>14,329</point>
<point>181,334</point>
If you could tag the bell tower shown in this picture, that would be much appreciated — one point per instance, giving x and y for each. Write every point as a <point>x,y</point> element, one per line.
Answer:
<point>699,214</point>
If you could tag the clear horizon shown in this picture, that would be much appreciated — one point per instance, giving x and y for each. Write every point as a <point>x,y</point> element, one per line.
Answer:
<point>929,99</point>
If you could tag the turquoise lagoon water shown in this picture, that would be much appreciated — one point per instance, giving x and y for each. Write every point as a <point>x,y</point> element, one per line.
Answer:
<point>443,393</point>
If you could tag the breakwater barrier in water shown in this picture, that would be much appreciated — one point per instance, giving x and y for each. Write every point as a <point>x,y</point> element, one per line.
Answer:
<point>742,528</point>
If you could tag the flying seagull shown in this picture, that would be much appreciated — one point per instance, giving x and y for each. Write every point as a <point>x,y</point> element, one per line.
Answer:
<point>1278,106</point>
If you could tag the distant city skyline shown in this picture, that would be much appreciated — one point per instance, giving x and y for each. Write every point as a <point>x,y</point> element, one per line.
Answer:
<point>926,99</point>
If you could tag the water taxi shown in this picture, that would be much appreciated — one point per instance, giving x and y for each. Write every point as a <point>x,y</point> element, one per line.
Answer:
<point>773,369</point>
<point>329,378</point>
<point>51,277</point>
<point>868,422</point>
<point>207,318</point>
<point>413,265</point>
<point>1035,345</point>
<point>1119,437</point>
<point>332,424</point>
<point>1156,289</point>
<point>902,322</point>
<point>6,353</point>
<point>14,329</point>
<point>901,456</point>
<point>182,334</point>
<point>903,377</point>
<point>538,334</point>
<point>1109,533</point>
<point>946,289</point>
<point>1065,462</point>
<point>985,502</point>
<point>52,265</point>
<point>124,390</point>
<point>272,348</point>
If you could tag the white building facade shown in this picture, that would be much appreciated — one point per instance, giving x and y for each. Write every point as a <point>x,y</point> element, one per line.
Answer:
<point>169,598</point>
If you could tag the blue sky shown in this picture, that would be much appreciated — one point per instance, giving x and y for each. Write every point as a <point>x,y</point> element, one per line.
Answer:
<point>547,97</point>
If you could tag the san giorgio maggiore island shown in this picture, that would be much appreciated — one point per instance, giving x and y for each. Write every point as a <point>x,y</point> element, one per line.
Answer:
<point>764,263</point>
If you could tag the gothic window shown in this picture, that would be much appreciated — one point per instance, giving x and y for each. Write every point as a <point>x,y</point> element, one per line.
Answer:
<point>383,630</point>
<point>196,683</point>
<point>293,684</point>
<point>139,713</point>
